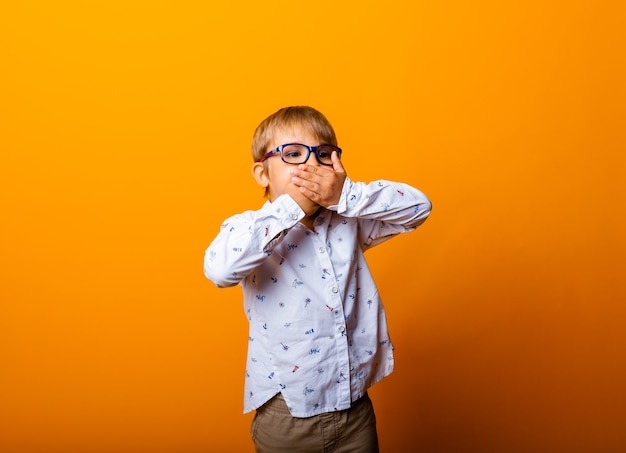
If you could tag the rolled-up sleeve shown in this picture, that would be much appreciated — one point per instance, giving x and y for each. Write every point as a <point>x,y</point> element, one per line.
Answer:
<point>245,240</point>
<point>384,209</point>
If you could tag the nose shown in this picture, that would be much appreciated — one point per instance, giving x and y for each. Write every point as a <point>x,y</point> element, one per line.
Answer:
<point>312,160</point>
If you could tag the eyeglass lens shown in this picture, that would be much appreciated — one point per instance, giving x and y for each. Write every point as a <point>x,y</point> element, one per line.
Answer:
<point>298,154</point>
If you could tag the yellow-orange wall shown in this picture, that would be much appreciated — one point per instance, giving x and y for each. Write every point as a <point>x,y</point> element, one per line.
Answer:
<point>124,137</point>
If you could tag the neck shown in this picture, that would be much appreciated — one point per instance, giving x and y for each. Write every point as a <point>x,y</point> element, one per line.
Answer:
<point>308,221</point>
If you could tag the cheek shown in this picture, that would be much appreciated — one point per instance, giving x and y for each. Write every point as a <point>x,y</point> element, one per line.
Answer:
<point>280,182</point>
<point>282,176</point>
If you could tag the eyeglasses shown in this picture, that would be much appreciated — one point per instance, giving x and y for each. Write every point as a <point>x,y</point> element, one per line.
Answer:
<point>297,153</point>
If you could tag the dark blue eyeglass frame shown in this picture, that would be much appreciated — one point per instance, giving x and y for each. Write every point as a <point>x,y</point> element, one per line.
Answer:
<point>310,149</point>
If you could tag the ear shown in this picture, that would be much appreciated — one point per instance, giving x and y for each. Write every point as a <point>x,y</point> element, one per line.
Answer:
<point>260,175</point>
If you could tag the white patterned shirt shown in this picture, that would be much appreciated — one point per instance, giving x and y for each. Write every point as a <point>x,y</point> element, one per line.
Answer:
<point>318,332</point>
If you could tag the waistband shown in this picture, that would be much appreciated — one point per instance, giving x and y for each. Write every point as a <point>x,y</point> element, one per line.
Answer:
<point>278,403</point>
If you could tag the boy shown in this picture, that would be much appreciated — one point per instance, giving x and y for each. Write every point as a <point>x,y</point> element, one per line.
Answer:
<point>318,334</point>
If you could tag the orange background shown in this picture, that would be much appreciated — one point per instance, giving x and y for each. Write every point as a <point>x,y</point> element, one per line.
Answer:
<point>124,142</point>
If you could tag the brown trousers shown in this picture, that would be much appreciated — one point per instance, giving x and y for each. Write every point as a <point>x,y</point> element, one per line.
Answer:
<point>274,430</point>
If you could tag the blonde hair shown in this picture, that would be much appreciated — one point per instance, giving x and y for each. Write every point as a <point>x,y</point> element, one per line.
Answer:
<point>291,117</point>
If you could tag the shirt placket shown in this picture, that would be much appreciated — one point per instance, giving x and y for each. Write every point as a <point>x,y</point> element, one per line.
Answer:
<point>339,331</point>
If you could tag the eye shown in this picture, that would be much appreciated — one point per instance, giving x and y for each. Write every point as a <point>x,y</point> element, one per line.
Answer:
<point>324,153</point>
<point>292,153</point>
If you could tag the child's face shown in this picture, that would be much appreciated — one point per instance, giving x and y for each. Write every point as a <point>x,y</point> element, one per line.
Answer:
<point>278,173</point>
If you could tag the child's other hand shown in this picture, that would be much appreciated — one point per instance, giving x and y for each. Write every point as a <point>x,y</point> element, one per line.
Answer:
<point>321,184</point>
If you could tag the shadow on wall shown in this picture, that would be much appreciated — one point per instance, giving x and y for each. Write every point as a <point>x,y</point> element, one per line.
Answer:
<point>517,363</point>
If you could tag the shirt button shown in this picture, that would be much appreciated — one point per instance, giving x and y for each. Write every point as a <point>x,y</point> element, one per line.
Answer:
<point>342,329</point>
<point>335,290</point>
<point>322,249</point>
<point>294,216</point>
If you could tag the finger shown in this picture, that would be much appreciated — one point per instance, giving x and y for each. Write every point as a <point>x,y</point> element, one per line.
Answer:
<point>311,172</point>
<point>313,196</point>
<point>312,169</point>
<point>337,165</point>
<point>304,182</point>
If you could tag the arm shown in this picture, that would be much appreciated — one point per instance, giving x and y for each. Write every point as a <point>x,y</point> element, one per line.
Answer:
<point>384,209</point>
<point>246,240</point>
